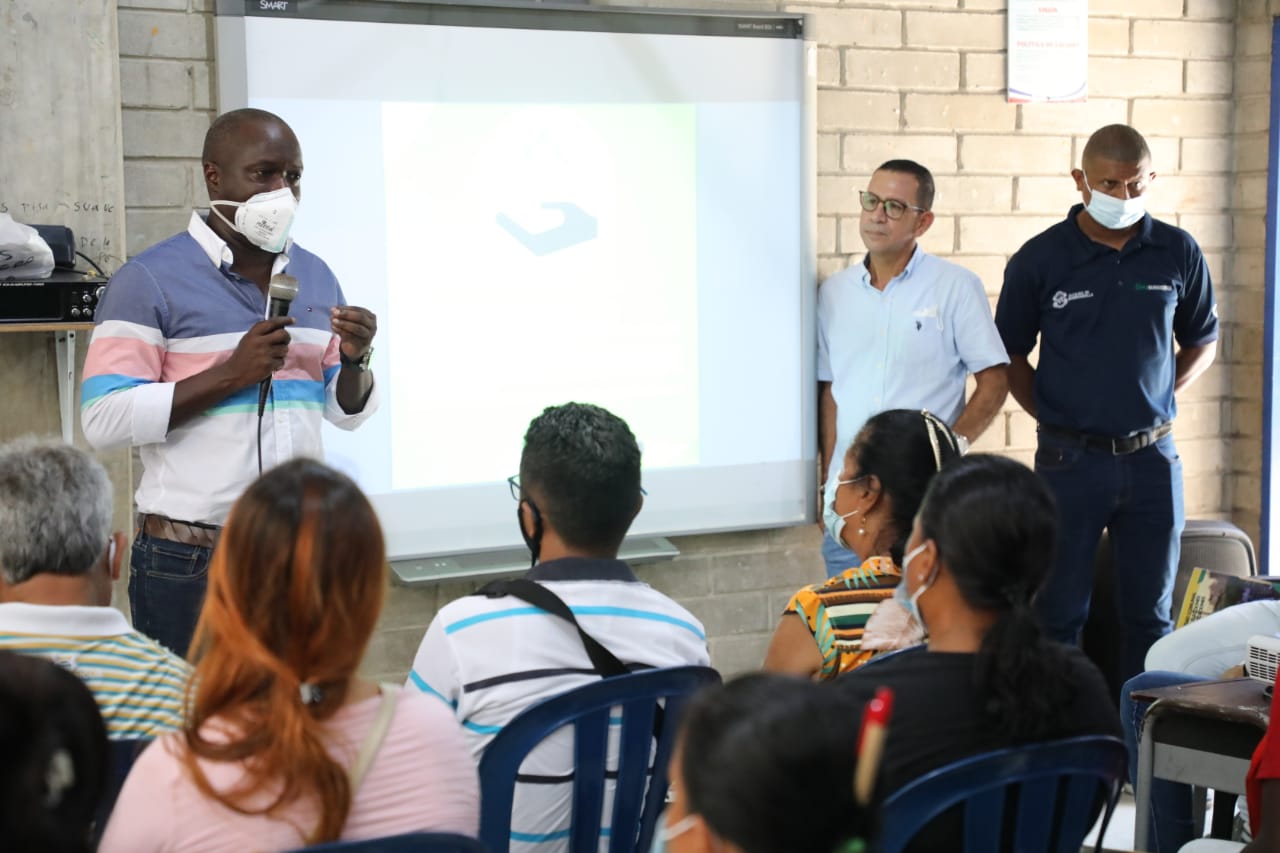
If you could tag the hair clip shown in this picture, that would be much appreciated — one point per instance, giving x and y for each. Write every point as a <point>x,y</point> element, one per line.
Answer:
<point>311,694</point>
<point>58,777</point>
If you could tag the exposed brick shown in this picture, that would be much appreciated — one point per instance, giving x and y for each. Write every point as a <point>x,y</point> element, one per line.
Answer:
<point>857,110</point>
<point>1017,155</point>
<point>839,194</point>
<point>864,152</point>
<point>1222,10</point>
<point>157,184</point>
<point>1192,192</point>
<point>156,83</point>
<point>785,570</point>
<point>985,72</point>
<point>1175,118</point>
<point>902,69</point>
<point>1198,419</point>
<point>986,5</point>
<point>1136,8</point>
<point>989,113</point>
<point>1211,230</point>
<point>829,67</point>
<point>828,153</point>
<point>855,27</point>
<point>1132,77</point>
<point>1022,430</point>
<point>733,613</point>
<point>979,31</point>
<point>1250,232</point>
<point>826,236</point>
<point>165,34</point>
<point>1083,117</point>
<point>1202,40</point>
<point>1209,77</point>
<point>989,268</point>
<point>1206,155</point>
<point>1251,151</point>
<point>736,655</point>
<point>178,5</point>
<point>1108,36</point>
<point>145,228</point>
<point>1000,234</point>
<point>409,607</point>
<point>1253,40</point>
<point>991,441</point>
<point>1250,192</point>
<point>1252,114</point>
<point>1035,194</point>
<point>971,194</point>
<point>1248,268</point>
<point>848,240</point>
<point>681,578</point>
<point>203,88</point>
<point>940,239</point>
<point>152,133</point>
<point>1252,76</point>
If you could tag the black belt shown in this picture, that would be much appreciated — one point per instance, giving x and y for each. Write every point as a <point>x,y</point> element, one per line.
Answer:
<point>1115,446</point>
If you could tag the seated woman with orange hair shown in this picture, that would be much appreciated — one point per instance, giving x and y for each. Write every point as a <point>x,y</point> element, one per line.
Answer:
<point>284,744</point>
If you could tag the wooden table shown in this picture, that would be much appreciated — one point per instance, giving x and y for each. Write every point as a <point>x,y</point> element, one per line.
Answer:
<point>1202,733</point>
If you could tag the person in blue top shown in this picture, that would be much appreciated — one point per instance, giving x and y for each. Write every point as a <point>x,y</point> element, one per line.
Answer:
<point>1123,309</point>
<point>901,330</point>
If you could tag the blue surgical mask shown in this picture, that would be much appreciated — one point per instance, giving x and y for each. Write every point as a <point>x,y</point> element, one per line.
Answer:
<point>832,520</point>
<point>1115,214</point>
<point>910,603</point>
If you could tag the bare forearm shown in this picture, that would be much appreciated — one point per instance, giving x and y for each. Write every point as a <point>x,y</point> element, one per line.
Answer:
<point>199,393</point>
<point>353,389</point>
<point>826,426</point>
<point>1022,382</point>
<point>988,396</point>
<point>1191,363</point>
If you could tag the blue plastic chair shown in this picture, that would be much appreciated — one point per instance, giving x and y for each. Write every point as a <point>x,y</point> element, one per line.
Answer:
<point>1057,787</point>
<point>410,842</point>
<point>639,794</point>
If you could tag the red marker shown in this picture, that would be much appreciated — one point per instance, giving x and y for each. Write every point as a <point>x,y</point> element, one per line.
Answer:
<point>875,722</point>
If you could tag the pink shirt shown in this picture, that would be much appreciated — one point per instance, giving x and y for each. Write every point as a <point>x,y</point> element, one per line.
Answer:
<point>423,779</point>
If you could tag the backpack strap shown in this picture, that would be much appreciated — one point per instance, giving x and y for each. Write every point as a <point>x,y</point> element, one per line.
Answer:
<point>377,734</point>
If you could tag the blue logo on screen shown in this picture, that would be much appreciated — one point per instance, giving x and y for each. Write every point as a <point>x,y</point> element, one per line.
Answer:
<point>576,226</point>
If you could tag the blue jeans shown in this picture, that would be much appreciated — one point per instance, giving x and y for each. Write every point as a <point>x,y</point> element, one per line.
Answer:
<point>1137,498</point>
<point>166,589</point>
<point>837,557</point>
<point>1172,824</point>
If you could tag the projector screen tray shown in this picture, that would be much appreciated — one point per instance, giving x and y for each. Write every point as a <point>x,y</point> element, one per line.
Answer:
<point>512,561</point>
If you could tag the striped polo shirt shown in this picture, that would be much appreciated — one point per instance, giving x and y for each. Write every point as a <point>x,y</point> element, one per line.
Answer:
<point>490,658</point>
<point>138,683</point>
<point>177,310</point>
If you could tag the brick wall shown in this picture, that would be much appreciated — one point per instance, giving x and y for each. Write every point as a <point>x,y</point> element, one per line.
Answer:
<point>915,78</point>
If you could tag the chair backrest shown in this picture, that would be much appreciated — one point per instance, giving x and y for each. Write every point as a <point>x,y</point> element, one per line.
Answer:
<point>641,777</point>
<point>1047,795</point>
<point>120,757</point>
<point>410,842</point>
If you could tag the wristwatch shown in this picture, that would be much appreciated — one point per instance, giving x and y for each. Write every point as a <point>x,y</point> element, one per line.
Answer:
<point>360,364</point>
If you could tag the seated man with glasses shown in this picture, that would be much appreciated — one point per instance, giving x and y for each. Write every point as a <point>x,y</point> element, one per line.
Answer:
<point>491,655</point>
<point>901,330</point>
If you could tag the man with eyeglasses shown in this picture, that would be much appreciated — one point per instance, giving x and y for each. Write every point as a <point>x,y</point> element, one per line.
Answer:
<point>901,330</point>
<point>491,655</point>
<point>1124,312</point>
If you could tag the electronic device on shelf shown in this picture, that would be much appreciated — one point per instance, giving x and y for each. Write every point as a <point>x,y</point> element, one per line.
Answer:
<point>67,295</point>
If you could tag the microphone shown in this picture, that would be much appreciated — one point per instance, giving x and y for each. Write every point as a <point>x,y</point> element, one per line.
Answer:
<point>281,292</point>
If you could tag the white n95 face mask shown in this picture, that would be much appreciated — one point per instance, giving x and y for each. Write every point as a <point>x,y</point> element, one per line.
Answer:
<point>1115,214</point>
<point>264,219</point>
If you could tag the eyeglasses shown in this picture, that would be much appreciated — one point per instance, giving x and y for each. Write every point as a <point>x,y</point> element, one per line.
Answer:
<point>514,483</point>
<point>892,207</point>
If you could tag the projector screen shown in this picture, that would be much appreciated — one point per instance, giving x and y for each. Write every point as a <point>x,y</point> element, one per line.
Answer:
<point>551,204</point>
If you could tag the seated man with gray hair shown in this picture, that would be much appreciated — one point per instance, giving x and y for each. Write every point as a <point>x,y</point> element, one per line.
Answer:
<point>58,559</point>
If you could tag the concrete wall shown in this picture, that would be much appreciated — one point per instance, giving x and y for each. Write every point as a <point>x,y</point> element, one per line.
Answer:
<point>911,78</point>
<point>60,154</point>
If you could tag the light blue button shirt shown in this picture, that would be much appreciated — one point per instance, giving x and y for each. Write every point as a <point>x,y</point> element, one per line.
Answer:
<point>909,346</point>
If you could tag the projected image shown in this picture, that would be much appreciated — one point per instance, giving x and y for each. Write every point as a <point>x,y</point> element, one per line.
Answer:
<point>538,254</point>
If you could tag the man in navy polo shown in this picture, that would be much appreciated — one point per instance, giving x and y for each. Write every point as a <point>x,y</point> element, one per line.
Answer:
<point>1124,310</point>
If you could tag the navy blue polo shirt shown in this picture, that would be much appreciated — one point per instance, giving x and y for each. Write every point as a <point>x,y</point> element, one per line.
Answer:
<point>1107,321</point>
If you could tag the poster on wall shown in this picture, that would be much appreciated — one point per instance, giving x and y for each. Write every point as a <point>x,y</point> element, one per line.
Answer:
<point>1048,51</point>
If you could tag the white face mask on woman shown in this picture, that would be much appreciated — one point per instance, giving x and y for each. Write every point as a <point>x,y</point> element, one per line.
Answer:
<point>910,603</point>
<point>264,219</point>
<point>1114,214</point>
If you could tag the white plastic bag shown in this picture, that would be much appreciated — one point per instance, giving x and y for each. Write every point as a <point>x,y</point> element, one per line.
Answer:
<point>23,252</point>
